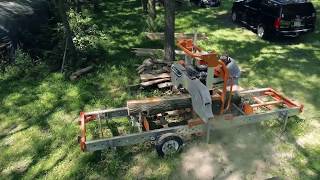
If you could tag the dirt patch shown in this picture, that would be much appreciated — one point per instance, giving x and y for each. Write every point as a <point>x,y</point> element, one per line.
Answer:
<point>241,153</point>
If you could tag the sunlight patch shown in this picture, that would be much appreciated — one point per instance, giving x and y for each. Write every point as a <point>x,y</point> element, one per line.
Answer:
<point>17,166</point>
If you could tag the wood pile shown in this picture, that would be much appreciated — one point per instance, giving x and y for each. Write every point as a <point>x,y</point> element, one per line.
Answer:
<point>152,52</point>
<point>155,72</point>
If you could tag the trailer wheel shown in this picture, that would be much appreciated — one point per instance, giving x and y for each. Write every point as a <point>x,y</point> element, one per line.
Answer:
<point>168,144</point>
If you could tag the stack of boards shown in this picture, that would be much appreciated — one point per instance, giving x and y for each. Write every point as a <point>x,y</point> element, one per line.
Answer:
<point>155,72</point>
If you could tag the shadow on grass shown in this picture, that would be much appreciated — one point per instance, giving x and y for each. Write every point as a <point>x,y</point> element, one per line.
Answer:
<point>45,105</point>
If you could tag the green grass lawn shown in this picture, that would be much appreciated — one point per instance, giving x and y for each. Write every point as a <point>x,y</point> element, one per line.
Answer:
<point>39,110</point>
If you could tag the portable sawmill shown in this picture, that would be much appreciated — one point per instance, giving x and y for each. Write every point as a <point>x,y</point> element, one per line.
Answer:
<point>209,102</point>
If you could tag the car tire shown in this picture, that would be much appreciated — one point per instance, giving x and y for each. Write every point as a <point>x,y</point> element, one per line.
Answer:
<point>261,31</point>
<point>168,144</point>
<point>234,17</point>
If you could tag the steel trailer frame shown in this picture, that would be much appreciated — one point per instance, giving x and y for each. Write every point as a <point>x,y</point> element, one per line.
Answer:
<point>241,116</point>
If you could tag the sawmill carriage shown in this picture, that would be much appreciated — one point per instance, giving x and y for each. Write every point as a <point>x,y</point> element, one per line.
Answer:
<point>209,104</point>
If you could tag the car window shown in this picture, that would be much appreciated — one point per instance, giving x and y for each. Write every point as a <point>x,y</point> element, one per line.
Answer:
<point>253,3</point>
<point>270,7</point>
<point>302,9</point>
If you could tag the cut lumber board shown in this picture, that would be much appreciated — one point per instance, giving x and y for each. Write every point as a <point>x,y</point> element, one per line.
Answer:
<point>152,52</point>
<point>148,77</point>
<point>158,105</point>
<point>160,35</point>
<point>157,81</point>
<point>165,85</point>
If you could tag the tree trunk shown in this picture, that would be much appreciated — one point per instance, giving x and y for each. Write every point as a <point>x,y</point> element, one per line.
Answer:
<point>67,29</point>
<point>169,54</point>
<point>78,5</point>
<point>95,5</point>
<point>144,4</point>
<point>152,9</point>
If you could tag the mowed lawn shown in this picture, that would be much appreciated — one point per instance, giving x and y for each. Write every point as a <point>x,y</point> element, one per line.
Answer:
<point>39,109</point>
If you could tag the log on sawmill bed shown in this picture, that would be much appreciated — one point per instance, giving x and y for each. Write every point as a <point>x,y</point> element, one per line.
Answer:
<point>157,105</point>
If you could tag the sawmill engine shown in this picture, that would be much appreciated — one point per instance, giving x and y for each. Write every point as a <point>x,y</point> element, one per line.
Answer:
<point>199,71</point>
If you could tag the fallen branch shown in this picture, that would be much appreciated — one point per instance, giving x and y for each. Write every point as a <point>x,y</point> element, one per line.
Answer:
<point>80,72</point>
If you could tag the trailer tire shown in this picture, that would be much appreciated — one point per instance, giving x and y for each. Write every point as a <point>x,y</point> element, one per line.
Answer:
<point>168,144</point>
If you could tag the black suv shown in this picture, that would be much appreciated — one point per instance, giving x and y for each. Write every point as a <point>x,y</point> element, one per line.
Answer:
<point>275,17</point>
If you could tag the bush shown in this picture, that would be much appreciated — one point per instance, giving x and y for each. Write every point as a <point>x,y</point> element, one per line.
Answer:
<point>23,65</point>
<point>156,25</point>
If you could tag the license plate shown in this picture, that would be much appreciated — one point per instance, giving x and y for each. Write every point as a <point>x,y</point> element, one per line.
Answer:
<point>297,24</point>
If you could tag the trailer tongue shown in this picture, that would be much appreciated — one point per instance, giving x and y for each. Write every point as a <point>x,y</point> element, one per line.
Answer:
<point>168,121</point>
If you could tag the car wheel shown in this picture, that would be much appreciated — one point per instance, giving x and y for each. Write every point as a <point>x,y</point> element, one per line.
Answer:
<point>234,17</point>
<point>168,144</point>
<point>261,31</point>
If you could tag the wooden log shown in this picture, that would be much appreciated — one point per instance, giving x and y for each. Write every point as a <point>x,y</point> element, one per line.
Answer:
<point>157,81</point>
<point>154,106</point>
<point>148,62</point>
<point>160,36</point>
<point>164,85</point>
<point>140,71</point>
<point>153,64</point>
<point>152,52</point>
<point>161,62</point>
<point>148,77</point>
<point>164,69</point>
<point>78,73</point>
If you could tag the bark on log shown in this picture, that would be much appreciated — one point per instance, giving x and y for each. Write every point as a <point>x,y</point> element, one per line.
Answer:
<point>158,105</point>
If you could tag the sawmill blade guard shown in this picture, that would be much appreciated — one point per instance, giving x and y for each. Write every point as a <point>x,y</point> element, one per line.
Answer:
<point>200,96</point>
